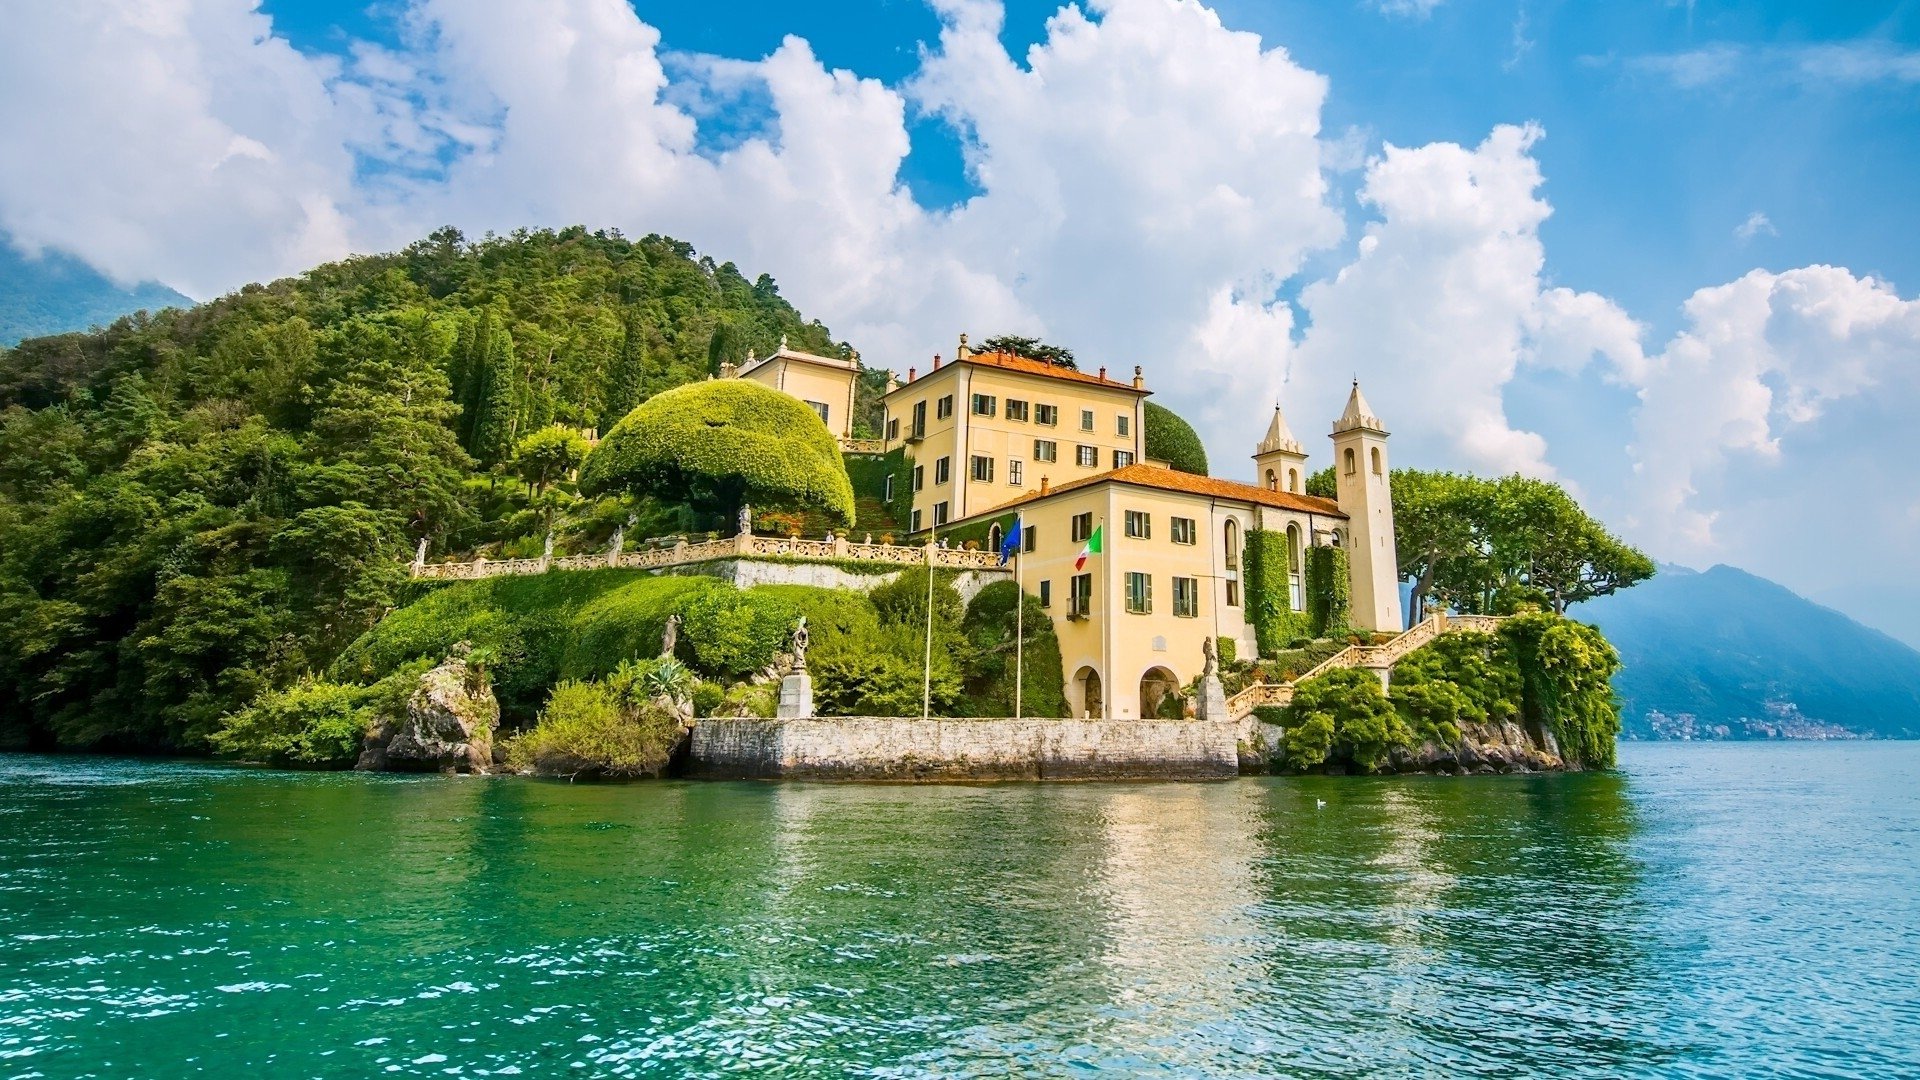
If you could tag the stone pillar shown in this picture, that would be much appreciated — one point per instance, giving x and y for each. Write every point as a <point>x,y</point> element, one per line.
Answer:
<point>1213,699</point>
<point>796,697</point>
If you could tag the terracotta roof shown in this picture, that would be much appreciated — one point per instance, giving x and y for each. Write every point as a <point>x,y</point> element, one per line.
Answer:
<point>1153,476</point>
<point>1026,366</point>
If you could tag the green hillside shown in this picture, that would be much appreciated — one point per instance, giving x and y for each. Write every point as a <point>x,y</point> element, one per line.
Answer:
<point>1725,654</point>
<point>199,504</point>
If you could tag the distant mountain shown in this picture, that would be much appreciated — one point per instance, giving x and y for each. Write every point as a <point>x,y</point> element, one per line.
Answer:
<point>1723,654</point>
<point>55,294</point>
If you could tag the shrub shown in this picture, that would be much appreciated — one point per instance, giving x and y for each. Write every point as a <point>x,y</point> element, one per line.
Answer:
<point>1172,440</point>
<point>534,629</point>
<point>309,723</point>
<point>715,445</point>
<point>1229,649</point>
<point>1566,670</point>
<point>1365,728</point>
<point>730,632</point>
<point>314,722</point>
<point>597,729</point>
<point>1329,592</point>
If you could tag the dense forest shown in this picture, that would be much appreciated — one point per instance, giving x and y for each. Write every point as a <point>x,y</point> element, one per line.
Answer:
<point>197,505</point>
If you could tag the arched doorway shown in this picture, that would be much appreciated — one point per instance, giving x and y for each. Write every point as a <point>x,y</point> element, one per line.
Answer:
<point>1088,702</point>
<point>1159,689</point>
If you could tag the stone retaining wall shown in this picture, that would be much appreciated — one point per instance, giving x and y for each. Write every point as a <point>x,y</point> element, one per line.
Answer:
<point>890,748</point>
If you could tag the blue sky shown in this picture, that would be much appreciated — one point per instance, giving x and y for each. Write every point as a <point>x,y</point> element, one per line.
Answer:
<point>1661,252</point>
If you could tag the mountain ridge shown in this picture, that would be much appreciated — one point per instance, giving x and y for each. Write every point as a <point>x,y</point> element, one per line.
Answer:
<point>1723,653</point>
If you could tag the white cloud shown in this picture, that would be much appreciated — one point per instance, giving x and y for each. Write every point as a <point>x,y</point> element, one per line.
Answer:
<point>1760,359</point>
<point>1404,9</point>
<point>1433,313</point>
<point>1755,224</point>
<point>1843,64</point>
<point>172,140</point>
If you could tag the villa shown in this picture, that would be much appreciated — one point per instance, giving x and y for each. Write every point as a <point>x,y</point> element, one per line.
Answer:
<point>990,436</point>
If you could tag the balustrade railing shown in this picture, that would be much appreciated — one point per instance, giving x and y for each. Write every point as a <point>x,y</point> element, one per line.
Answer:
<point>1362,656</point>
<point>679,552</point>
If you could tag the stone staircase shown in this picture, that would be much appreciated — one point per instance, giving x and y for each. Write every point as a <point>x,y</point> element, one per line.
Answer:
<point>1372,657</point>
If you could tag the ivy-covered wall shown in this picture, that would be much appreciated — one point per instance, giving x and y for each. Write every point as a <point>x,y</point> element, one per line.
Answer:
<point>1276,626</point>
<point>1329,592</point>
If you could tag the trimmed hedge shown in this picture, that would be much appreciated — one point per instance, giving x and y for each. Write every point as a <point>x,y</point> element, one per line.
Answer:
<point>713,445</point>
<point>1173,440</point>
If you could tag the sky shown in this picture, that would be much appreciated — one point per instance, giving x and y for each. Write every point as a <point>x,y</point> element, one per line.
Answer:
<point>1661,252</point>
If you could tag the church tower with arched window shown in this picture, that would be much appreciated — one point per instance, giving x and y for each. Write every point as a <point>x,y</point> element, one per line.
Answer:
<point>1361,473</point>
<point>1279,464</point>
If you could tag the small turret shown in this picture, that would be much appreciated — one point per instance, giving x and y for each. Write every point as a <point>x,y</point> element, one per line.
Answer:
<point>1279,463</point>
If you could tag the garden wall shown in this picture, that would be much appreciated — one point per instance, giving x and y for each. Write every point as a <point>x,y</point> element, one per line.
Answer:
<point>894,748</point>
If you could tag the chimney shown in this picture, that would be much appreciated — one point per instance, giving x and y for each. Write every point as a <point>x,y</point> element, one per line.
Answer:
<point>1103,373</point>
<point>1139,380</point>
<point>1045,485</point>
<point>936,361</point>
<point>910,373</point>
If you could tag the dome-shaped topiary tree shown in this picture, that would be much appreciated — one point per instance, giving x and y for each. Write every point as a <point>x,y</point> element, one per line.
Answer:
<point>719,444</point>
<point>1172,440</point>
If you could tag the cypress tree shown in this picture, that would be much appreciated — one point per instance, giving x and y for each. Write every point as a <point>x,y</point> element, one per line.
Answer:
<point>626,379</point>
<point>494,415</point>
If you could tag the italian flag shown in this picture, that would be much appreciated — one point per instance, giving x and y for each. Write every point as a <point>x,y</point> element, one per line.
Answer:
<point>1091,549</point>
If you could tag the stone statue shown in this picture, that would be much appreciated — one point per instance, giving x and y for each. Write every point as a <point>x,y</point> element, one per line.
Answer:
<point>670,637</point>
<point>420,553</point>
<point>746,520</point>
<point>1212,653</point>
<point>547,551</point>
<point>800,640</point>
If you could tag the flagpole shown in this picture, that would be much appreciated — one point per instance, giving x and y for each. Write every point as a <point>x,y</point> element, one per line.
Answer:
<point>1019,628</point>
<point>926,676</point>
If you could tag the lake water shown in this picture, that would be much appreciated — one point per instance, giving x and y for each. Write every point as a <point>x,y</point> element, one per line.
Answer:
<point>1710,910</point>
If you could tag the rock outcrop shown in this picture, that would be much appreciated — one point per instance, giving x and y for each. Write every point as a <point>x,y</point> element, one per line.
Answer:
<point>448,726</point>
<point>1485,748</point>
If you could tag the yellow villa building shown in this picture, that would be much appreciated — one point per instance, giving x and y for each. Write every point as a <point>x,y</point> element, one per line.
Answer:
<point>983,429</point>
<point>825,383</point>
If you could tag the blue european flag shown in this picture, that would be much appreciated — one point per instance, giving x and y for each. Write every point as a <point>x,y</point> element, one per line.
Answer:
<point>1012,543</point>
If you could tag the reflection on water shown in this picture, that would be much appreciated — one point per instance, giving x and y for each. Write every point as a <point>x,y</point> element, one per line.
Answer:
<point>1712,911</point>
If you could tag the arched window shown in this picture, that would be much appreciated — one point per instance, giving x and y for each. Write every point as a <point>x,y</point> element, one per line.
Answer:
<point>1293,480</point>
<point>1350,461</point>
<point>1376,461</point>
<point>1296,588</point>
<point>1273,482</point>
<point>1233,544</point>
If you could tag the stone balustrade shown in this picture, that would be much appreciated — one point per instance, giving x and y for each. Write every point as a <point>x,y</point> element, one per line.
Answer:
<point>863,446</point>
<point>656,554</point>
<point>1371,657</point>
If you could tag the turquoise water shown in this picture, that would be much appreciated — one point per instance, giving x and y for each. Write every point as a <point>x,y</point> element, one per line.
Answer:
<point>1711,910</point>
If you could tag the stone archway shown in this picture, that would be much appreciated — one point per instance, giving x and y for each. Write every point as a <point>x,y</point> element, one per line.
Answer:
<point>1088,701</point>
<point>1156,687</point>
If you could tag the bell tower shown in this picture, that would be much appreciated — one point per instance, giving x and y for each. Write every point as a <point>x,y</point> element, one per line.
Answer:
<point>1278,462</point>
<point>1361,474</point>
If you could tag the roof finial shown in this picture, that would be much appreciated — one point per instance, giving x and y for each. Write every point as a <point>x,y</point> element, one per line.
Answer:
<point>783,343</point>
<point>963,351</point>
